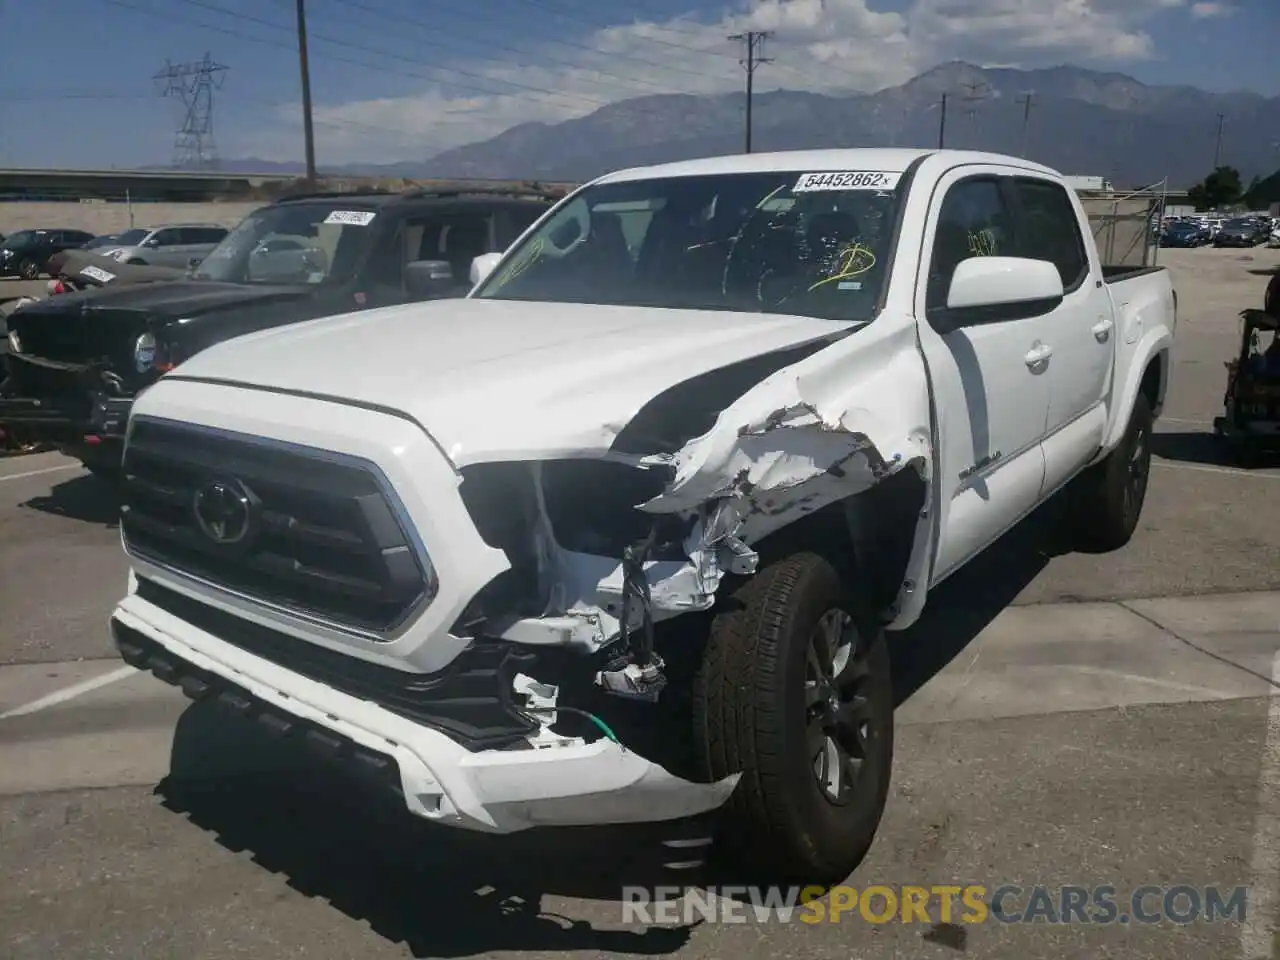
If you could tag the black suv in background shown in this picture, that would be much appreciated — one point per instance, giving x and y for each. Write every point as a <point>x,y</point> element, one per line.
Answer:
<point>25,253</point>
<point>1239,232</point>
<point>76,361</point>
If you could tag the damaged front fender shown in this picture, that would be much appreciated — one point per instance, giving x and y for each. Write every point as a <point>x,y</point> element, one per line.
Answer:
<point>817,432</point>
<point>823,429</point>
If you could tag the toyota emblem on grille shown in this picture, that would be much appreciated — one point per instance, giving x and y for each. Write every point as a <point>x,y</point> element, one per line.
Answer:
<point>224,511</point>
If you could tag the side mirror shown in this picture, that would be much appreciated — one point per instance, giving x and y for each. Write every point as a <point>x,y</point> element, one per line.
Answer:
<point>151,242</point>
<point>483,265</point>
<point>194,262</point>
<point>995,289</point>
<point>428,278</point>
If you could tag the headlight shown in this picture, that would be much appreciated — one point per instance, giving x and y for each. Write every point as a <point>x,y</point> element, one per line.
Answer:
<point>144,352</point>
<point>15,345</point>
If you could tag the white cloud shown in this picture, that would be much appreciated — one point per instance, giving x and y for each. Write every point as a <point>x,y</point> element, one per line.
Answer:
<point>819,45</point>
<point>1211,8</point>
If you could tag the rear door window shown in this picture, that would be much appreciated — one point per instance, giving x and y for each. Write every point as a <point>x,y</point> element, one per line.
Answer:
<point>1050,229</point>
<point>202,235</point>
<point>169,237</point>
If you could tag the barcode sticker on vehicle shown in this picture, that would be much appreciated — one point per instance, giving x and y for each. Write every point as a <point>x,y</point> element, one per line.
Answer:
<point>847,180</point>
<point>351,218</point>
<point>97,273</point>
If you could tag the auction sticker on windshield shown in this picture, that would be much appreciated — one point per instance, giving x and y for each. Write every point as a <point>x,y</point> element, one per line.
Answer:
<point>847,180</point>
<point>353,218</point>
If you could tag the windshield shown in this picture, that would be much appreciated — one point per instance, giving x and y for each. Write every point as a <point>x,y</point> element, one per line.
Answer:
<point>19,238</point>
<point>814,244</point>
<point>1237,225</point>
<point>292,243</point>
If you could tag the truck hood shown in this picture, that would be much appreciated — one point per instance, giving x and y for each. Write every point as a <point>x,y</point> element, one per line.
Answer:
<point>164,300</point>
<point>498,380</point>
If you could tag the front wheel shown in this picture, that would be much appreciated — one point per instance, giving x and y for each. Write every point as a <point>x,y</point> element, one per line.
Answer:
<point>1108,497</point>
<point>28,269</point>
<point>794,693</point>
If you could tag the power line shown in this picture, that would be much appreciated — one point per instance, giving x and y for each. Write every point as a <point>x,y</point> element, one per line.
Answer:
<point>449,73</point>
<point>753,45</point>
<point>192,84</point>
<point>290,46</point>
<point>490,45</point>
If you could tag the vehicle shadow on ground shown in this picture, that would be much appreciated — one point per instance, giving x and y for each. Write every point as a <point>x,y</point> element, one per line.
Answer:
<point>962,606</point>
<point>439,891</point>
<point>85,498</point>
<point>1204,448</point>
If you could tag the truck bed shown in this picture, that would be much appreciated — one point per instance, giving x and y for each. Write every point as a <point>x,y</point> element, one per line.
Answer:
<point>1121,273</point>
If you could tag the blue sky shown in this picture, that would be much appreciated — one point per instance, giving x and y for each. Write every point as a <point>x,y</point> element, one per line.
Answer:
<point>401,79</point>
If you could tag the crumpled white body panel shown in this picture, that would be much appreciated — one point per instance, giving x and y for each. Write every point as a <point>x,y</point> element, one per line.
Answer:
<point>811,434</point>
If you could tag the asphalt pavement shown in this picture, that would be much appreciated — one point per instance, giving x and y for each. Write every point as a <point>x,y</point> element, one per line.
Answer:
<point>1066,720</point>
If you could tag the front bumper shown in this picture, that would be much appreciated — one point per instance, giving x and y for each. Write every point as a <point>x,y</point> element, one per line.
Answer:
<point>67,421</point>
<point>495,790</point>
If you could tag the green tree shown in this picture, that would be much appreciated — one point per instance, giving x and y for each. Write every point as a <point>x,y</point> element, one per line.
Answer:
<point>1218,189</point>
<point>1262,194</point>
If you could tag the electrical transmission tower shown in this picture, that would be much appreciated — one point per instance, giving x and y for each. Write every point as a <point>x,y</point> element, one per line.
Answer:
<point>753,45</point>
<point>192,85</point>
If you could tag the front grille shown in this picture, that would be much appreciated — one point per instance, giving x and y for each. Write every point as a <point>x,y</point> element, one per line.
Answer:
<point>98,336</point>
<point>67,386</point>
<point>301,529</point>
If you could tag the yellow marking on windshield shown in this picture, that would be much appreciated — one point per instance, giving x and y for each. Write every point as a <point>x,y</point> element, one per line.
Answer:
<point>853,262</point>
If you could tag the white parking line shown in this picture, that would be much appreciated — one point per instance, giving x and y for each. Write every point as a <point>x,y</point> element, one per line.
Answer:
<point>1190,423</point>
<point>69,693</point>
<point>1257,933</point>
<point>1228,471</point>
<point>40,473</point>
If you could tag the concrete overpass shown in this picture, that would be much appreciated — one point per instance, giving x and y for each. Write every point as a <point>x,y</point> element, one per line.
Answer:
<point>172,186</point>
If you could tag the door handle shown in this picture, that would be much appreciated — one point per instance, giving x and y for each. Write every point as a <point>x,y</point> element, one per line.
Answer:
<point>1102,329</point>
<point>1038,354</point>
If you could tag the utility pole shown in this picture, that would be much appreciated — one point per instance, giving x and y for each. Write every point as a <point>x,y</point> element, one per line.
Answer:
<point>753,44</point>
<point>1217,150</point>
<point>308,132</point>
<point>942,124</point>
<point>1025,100</point>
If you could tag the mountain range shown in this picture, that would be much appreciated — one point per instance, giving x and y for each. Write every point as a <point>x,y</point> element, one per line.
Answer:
<point>1080,121</point>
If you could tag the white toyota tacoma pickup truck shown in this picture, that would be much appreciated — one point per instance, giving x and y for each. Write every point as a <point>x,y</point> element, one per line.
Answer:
<point>619,537</point>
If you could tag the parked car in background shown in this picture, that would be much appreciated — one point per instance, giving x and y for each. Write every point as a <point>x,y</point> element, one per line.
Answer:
<point>174,245</point>
<point>1182,233</point>
<point>1237,232</point>
<point>621,535</point>
<point>78,360</point>
<point>101,241</point>
<point>25,253</point>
